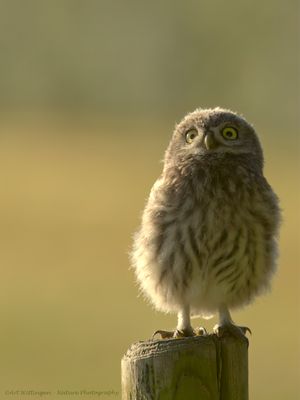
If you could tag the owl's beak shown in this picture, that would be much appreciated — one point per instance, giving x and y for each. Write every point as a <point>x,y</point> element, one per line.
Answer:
<point>210,141</point>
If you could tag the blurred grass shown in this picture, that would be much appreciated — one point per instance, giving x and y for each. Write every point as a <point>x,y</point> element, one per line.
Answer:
<point>68,208</point>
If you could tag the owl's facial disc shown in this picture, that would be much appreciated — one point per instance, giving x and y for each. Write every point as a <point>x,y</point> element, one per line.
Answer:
<point>214,132</point>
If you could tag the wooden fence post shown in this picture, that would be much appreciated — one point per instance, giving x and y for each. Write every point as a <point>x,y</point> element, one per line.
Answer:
<point>196,368</point>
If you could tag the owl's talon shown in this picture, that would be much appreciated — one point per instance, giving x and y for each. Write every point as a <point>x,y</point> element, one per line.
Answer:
<point>182,333</point>
<point>177,334</point>
<point>245,329</point>
<point>163,334</point>
<point>201,331</point>
<point>231,329</point>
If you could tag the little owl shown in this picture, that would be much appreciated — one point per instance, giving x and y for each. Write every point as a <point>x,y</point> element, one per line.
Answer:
<point>207,241</point>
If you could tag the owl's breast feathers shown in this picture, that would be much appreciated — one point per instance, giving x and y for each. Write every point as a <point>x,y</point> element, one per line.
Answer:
<point>208,236</point>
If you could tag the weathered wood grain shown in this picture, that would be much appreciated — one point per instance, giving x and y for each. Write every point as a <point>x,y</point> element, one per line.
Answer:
<point>196,368</point>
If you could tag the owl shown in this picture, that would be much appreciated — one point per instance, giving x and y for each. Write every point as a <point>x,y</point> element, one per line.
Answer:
<point>208,237</point>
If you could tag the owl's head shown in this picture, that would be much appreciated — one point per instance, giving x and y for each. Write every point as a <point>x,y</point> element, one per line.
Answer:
<point>213,134</point>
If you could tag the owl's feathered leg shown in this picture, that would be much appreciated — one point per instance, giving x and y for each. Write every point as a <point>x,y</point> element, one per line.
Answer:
<point>184,327</point>
<point>226,325</point>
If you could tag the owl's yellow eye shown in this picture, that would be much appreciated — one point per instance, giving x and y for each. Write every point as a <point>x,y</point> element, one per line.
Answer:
<point>229,133</point>
<point>190,135</point>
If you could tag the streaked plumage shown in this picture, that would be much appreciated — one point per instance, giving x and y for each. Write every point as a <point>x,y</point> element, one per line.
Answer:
<point>207,241</point>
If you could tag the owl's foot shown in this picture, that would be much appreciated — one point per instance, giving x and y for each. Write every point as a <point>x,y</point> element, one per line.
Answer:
<point>231,329</point>
<point>177,334</point>
<point>201,331</point>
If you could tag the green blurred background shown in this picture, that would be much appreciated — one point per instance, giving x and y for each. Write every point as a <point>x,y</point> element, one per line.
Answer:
<point>89,95</point>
